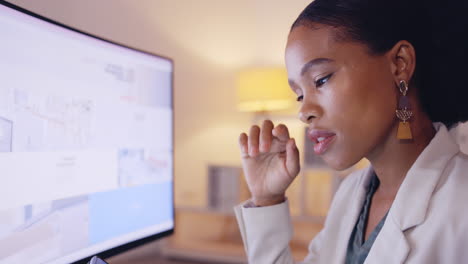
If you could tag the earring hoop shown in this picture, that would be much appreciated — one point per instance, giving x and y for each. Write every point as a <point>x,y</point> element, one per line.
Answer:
<point>403,87</point>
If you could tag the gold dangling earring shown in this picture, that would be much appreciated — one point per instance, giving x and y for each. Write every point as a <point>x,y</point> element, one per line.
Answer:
<point>404,113</point>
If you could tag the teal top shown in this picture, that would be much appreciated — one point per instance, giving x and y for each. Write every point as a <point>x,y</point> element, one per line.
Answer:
<point>358,249</point>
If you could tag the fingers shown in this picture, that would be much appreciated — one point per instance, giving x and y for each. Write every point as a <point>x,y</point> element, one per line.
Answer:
<point>243,141</point>
<point>254,140</point>
<point>292,158</point>
<point>281,132</point>
<point>266,136</point>
<point>260,140</point>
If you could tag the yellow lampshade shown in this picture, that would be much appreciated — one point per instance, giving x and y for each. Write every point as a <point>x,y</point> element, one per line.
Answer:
<point>263,89</point>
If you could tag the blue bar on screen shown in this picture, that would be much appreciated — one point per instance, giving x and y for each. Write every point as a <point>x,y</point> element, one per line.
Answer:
<point>126,210</point>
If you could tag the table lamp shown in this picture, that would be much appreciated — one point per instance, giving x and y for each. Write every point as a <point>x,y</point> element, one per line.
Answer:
<point>262,90</point>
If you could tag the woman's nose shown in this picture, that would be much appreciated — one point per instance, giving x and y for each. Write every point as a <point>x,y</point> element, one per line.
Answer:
<point>308,112</point>
<point>306,117</point>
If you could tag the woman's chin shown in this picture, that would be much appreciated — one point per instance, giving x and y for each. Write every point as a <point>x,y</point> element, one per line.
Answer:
<point>338,164</point>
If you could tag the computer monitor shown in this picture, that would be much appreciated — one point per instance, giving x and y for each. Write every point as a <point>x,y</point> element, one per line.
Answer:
<point>86,143</point>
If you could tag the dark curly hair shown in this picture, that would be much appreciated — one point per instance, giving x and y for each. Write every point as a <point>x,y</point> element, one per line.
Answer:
<point>437,30</point>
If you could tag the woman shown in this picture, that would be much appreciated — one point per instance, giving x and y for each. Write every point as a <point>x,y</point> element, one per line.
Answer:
<point>378,79</point>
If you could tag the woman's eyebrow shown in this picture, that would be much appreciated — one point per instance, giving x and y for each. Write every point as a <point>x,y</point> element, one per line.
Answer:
<point>313,63</point>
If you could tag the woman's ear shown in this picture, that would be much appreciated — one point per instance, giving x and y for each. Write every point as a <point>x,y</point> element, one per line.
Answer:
<point>402,58</point>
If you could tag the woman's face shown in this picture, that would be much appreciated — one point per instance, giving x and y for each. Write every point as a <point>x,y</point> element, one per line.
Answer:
<point>348,97</point>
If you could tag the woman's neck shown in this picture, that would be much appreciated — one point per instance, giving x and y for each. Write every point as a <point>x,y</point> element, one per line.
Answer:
<point>394,157</point>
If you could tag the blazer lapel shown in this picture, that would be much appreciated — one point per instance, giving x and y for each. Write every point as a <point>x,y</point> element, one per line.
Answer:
<point>351,216</point>
<point>412,201</point>
<point>390,246</point>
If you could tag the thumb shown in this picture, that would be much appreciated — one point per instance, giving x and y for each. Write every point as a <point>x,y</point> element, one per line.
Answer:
<point>292,158</point>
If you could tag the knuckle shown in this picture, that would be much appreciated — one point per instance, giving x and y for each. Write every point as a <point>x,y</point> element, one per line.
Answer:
<point>281,128</point>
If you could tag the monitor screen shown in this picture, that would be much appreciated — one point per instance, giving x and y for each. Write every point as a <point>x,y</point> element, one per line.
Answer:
<point>86,143</point>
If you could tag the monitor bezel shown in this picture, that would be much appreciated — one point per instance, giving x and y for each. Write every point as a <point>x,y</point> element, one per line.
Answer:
<point>131,245</point>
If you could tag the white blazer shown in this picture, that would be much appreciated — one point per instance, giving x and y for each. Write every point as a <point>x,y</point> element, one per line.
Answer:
<point>427,222</point>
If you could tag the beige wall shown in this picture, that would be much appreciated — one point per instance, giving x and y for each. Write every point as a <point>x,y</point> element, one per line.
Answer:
<point>209,40</point>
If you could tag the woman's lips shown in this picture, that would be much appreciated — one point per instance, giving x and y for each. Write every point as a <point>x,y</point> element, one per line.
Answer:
<point>322,146</point>
<point>323,139</point>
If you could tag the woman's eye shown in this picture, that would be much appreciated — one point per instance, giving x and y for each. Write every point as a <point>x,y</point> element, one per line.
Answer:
<point>299,99</point>
<point>323,80</point>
